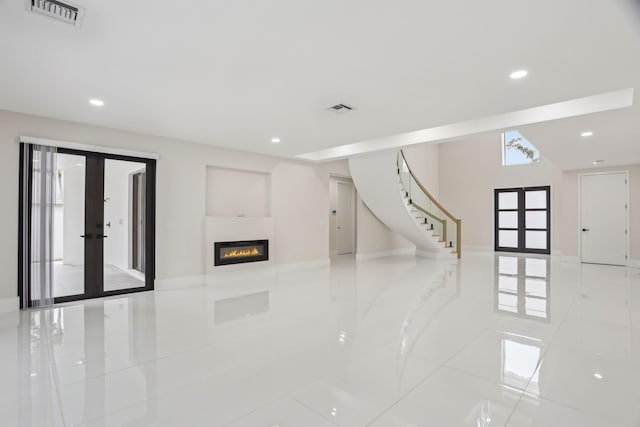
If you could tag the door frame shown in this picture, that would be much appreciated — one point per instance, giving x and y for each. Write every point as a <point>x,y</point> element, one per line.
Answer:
<point>25,191</point>
<point>628,223</point>
<point>521,191</point>
<point>352,218</point>
<point>334,178</point>
<point>134,229</point>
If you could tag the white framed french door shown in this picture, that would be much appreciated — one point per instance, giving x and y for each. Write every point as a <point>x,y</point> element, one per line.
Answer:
<point>604,217</point>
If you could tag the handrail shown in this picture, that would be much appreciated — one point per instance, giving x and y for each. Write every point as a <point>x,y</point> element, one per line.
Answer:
<point>426,212</point>
<point>438,205</point>
<point>442,221</point>
<point>425,191</point>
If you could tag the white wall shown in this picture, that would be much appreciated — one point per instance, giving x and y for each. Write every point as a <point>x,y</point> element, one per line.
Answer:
<point>424,161</point>
<point>470,171</point>
<point>233,192</point>
<point>300,195</point>
<point>373,236</point>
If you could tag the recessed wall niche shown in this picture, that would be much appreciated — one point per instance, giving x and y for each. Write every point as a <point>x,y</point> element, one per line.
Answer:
<point>234,192</point>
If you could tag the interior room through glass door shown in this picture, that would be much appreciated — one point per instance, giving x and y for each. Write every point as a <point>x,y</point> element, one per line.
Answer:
<point>124,224</point>
<point>68,230</point>
<point>90,225</point>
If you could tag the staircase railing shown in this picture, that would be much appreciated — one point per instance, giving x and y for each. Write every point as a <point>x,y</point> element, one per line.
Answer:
<point>435,217</point>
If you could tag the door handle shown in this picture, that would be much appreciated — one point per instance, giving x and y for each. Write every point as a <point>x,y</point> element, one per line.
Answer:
<point>585,229</point>
<point>101,236</point>
<point>88,236</point>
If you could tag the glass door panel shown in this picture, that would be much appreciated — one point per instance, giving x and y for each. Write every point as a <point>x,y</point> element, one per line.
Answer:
<point>124,220</point>
<point>68,229</point>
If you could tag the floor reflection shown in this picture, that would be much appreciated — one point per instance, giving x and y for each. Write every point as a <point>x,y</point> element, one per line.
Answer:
<point>71,348</point>
<point>391,342</point>
<point>520,358</point>
<point>522,286</point>
<point>240,307</point>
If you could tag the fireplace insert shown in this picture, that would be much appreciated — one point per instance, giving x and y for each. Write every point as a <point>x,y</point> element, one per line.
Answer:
<point>241,251</point>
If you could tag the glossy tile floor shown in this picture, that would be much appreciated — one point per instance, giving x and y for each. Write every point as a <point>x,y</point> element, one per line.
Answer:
<point>496,340</point>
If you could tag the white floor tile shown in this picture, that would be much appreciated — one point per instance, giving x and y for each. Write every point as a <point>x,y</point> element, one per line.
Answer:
<point>453,398</point>
<point>392,342</point>
<point>533,412</point>
<point>283,413</point>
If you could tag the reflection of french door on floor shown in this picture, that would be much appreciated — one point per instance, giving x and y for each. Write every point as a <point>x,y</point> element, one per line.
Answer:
<point>523,220</point>
<point>99,225</point>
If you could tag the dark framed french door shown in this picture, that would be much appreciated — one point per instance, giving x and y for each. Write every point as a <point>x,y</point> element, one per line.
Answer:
<point>103,225</point>
<point>523,219</point>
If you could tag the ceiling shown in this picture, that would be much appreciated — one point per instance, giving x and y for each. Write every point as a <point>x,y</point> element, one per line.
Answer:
<point>237,73</point>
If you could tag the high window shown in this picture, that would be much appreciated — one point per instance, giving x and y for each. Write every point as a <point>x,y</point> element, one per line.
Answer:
<point>517,150</point>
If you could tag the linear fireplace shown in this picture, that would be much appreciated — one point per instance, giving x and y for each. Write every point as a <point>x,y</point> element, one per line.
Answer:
<point>225,253</point>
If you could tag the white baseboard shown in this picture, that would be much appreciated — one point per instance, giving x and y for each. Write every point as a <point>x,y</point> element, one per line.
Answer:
<point>9,305</point>
<point>411,250</point>
<point>179,282</point>
<point>476,248</point>
<point>295,266</point>
<point>427,254</point>
<point>242,274</point>
<point>373,255</point>
<point>236,274</point>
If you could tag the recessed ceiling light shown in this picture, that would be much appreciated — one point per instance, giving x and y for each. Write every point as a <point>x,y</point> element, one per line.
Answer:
<point>586,133</point>
<point>96,102</point>
<point>597,162</point>
<point>275,140</point>
<point>519,74</point>
<point>598,375</point>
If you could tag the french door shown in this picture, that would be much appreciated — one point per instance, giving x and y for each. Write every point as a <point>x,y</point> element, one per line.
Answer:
<point>101,236</point>
<point>523,219</point>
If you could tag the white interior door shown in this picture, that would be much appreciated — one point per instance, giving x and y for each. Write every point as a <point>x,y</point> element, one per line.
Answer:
<point>603,218</point>
<point>345,210</point>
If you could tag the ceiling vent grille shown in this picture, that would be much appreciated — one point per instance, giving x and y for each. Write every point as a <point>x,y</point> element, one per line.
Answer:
<point>65,12</point>
<point>340,108</point>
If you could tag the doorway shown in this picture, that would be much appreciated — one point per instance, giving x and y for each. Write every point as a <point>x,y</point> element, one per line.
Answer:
<point>342,223</point>
<point>101,204</point>
<point>345,218</point>
<point>523,220</point>
<point>604,218</point>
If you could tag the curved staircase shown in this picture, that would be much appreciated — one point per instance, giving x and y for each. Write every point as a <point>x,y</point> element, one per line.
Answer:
<point>392,192</point>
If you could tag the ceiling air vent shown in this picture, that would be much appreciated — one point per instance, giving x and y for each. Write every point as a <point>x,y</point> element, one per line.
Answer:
<point>65,12</point>
<point>340,108</point>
